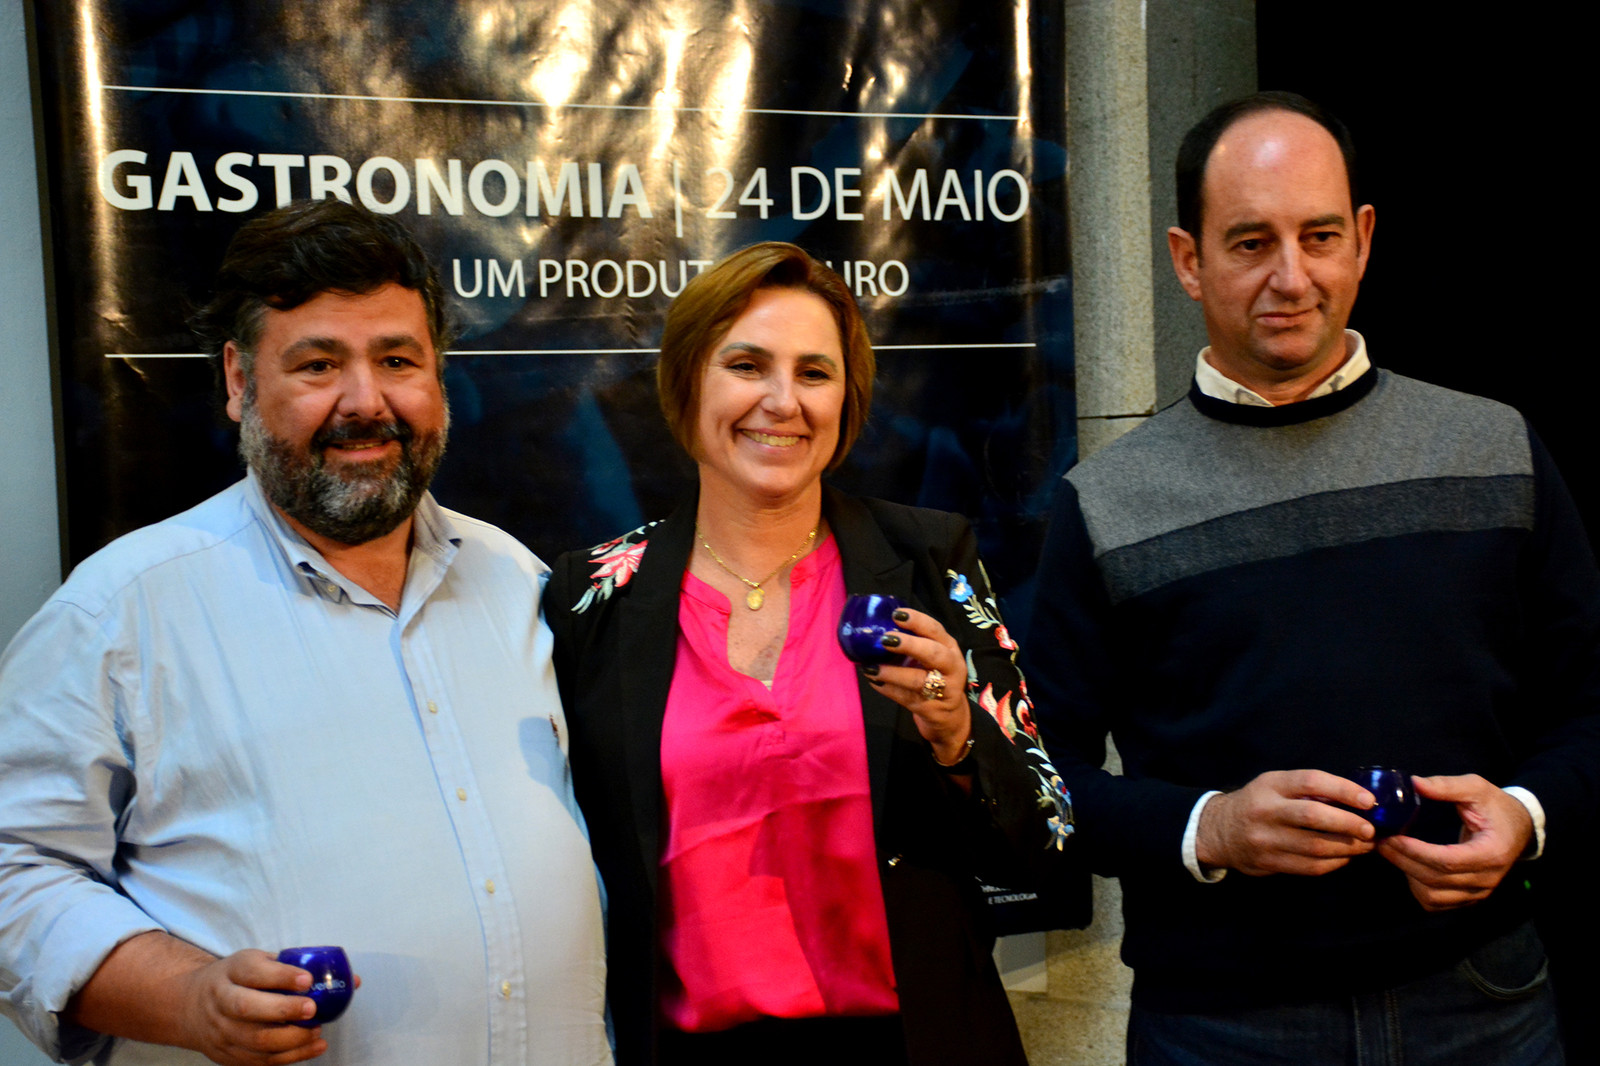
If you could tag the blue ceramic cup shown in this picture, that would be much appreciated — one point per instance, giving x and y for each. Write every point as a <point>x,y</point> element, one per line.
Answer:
<point>862,624</point>
<point>1398,802</point>
<point>332,984</point>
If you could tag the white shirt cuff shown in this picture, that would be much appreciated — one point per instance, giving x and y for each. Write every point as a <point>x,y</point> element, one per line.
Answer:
<point>1536,812</point>
<point>1191,833</point>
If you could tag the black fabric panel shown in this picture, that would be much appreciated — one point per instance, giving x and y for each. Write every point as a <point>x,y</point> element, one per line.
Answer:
<point>1324,520</point>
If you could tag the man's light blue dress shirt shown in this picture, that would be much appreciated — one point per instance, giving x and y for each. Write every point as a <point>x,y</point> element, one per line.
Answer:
<point>209,730</point>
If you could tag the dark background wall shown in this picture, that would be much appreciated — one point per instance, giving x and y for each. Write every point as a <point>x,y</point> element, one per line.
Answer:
<point>1468,135</point>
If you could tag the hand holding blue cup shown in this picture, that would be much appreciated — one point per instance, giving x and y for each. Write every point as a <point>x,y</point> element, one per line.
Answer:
<point>862,625</point>
<point>332,983</point>
<point>1398,802</point>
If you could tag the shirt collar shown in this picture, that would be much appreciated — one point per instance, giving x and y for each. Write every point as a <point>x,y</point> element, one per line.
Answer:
<point>1216,384</point>
<point>434,540</point>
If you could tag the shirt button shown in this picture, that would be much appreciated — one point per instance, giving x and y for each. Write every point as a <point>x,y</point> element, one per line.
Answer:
<point>505,989</point>
<point>489,884</point>
<point>461,794</point>
<point>433,708</point>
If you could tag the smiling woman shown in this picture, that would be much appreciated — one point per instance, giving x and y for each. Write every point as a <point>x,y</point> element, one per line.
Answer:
<point>771,400</point>
<point>702,318</point>
<point>791,843</point>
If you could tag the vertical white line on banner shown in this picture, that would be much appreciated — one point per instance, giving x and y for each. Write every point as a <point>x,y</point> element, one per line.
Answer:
<point>677,198</point>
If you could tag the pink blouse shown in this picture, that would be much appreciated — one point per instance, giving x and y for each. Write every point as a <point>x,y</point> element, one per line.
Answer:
<point>771,904</point>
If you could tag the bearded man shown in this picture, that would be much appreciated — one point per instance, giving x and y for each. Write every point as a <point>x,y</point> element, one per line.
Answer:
<point>317,708</point>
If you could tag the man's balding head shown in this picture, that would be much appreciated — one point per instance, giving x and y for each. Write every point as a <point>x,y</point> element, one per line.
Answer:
<point>1195,151</point>
<point>1279,246</point>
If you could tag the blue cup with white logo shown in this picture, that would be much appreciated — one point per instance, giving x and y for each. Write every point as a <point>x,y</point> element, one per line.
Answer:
<point>332,983</point>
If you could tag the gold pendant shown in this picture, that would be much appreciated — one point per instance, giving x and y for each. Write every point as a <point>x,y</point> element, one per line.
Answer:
<point>754,599</point>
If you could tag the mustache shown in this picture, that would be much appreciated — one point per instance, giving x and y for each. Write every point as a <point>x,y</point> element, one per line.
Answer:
<point>362,429</point>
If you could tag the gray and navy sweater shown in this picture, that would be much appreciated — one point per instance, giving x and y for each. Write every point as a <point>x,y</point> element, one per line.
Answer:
<point>1391,574</point>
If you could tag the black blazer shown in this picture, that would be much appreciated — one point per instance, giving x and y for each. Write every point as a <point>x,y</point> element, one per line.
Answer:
<point>614,611</point>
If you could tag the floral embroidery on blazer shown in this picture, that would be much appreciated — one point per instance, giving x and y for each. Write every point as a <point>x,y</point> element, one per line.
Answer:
<point>615,563</point>
<point>983,612</point>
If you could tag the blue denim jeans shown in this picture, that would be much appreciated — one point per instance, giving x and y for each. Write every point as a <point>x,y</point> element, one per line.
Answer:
<point>1494,1008</point>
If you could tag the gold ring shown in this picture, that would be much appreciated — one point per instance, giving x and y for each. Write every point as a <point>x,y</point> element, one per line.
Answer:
<point>933,686</point>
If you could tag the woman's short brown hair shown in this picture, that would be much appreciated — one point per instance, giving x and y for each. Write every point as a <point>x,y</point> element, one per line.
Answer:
<point>707,307</point>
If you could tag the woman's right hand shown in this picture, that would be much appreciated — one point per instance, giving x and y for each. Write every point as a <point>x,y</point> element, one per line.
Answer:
<point>933,688</point>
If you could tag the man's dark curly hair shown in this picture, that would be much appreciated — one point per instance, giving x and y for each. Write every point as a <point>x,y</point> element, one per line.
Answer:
<point>290,255</point>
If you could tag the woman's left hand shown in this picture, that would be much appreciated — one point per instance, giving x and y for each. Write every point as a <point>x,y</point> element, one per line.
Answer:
<point>933,688</point>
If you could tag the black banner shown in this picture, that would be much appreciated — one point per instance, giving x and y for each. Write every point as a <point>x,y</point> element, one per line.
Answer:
<point>569,166</point>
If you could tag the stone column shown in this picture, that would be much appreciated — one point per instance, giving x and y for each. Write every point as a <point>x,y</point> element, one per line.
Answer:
<point>1109,185</point>
<point>1138,75</point>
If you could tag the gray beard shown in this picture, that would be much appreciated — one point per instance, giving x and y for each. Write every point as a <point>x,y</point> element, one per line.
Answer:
<point>349,508</point>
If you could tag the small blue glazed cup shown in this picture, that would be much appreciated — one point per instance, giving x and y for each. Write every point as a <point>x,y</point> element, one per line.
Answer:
<point>332,984</point>
<point>1398,802</point>
<point>862,624</point>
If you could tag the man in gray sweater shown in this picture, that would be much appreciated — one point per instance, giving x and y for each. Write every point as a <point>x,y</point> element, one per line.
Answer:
<point>1307,566</point>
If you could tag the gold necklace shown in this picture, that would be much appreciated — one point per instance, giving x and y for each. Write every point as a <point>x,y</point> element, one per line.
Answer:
<point>756,597</point>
